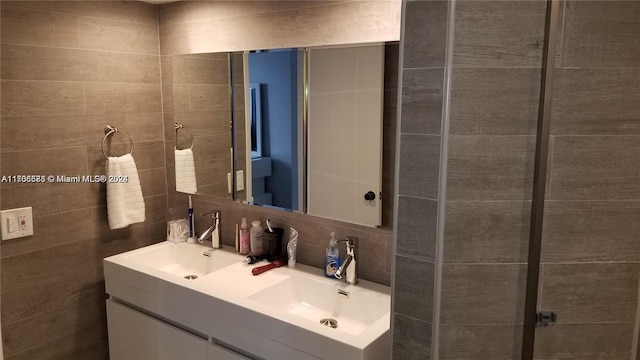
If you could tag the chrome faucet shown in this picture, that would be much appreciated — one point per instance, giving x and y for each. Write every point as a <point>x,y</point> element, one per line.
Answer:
<point>349,268</point>
<point>213,230</point>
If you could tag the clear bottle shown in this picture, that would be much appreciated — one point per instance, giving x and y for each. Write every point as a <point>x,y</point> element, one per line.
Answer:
<point>244,237</point>
<point>256,238</point>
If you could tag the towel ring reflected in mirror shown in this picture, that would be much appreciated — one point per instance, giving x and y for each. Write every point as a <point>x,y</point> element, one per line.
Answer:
<point>111,130</point>
<point>177,127</point>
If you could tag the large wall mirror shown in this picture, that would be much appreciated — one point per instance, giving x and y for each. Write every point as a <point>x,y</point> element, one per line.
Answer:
<point>312,129</point>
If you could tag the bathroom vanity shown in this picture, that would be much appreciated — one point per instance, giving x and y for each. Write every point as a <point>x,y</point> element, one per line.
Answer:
<point>181,301</point>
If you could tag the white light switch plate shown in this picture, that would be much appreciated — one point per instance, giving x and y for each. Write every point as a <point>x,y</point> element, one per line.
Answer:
<point>16,223</point>
<point>240,180</point>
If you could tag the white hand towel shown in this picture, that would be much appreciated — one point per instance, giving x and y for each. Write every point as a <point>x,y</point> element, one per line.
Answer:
<point>185,171</point>
<point>125,205</point>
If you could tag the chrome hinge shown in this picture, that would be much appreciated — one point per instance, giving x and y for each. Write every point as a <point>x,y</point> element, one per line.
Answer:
<point>546,318</point>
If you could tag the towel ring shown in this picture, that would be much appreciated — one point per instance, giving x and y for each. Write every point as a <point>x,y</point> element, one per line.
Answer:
<point>110,130</point>
<point>177,127</point>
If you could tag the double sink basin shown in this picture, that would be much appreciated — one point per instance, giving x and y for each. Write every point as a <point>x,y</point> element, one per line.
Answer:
<point>283,313</point>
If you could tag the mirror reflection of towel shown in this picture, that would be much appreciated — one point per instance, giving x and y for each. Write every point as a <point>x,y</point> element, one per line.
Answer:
<point>185,171</point>
<point>125,204</point>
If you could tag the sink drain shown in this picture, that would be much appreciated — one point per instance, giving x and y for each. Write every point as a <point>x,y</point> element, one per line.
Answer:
<point>191,277</point>
<point>332,323</point>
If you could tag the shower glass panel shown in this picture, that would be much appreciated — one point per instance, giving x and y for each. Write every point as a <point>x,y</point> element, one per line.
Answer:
<point>590,256</point>
<point>496,68</point>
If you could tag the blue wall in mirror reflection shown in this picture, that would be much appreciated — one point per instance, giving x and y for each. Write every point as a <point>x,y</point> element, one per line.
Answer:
<point>277,73</point>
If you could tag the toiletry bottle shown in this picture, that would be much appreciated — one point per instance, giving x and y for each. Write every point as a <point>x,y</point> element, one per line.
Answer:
<point>256,238</point>
<point>244,237</point>
<point>332,262</point>
<point>192,237</point>
<point>237,238</point>
<point>292,247</point>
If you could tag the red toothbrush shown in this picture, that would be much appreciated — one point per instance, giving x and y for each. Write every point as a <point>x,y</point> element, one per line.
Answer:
<point>260,269</point>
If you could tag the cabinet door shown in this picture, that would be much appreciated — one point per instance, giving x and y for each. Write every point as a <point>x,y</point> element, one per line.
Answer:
<point>346,92</point>
<point>134,335</point>
<point>217,352</point>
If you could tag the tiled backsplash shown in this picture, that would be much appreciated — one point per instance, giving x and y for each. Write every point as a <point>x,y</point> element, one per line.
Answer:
<point>374,261</point>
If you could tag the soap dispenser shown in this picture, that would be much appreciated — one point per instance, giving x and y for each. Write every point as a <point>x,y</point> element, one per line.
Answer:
<point>332,262</point>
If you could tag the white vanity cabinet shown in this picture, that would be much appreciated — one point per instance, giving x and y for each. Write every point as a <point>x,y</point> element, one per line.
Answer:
<point>135,335</point>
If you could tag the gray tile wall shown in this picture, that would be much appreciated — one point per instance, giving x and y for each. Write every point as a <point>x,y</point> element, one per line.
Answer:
<point>590,253</point>
<point>590,265</point>
<point>68,69</point>
<point>495,94</point>
<point>422,73</point>
<point>213,26</point>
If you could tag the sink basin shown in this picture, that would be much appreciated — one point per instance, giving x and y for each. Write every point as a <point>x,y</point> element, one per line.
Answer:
<point>324,302</point>
<point>181,259</point>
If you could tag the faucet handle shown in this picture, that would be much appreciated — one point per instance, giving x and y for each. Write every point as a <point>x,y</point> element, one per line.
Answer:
<point>213,213</point>
<point>351,241</point>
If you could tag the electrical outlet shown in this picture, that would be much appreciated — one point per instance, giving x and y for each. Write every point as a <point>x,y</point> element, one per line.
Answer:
<point>22,222</point>
<point>16,223</point>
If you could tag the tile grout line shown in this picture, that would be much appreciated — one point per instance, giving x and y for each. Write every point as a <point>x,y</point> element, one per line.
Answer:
<point>77,15</point>
<point>68,115</point>
<point>76,147</point>
<point>418,134</point>
<point>519,324</point>
<point>416,197</point>
<point>564,25</point>
<point>85,81</point>
<point>262,13</point>
<point>78,48</point>
<point>540,299</point>
<point>415,257</point>
<point>559,263</point>
<point>412,318</point>
<point>550,167</point>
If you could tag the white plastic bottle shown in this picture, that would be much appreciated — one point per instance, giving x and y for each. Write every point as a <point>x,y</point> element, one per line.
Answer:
<point>256,238</point>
